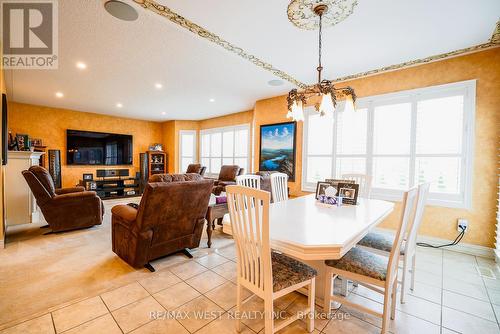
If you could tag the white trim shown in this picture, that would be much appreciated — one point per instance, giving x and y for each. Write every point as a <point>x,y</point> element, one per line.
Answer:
<point>195,147</point>
<point>462,247</point>
<point>461,200</point>
<point>221,130</point>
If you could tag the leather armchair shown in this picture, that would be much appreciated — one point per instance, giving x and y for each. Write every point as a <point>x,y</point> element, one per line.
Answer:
<point>64,209</point>
<point>227,177</point>
<point>196,168</point>
<point>169,219</point>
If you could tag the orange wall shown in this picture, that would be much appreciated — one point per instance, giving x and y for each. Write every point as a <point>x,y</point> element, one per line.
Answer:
<point>50,124</point>
<point>245,117</point>
<point>438,222</point>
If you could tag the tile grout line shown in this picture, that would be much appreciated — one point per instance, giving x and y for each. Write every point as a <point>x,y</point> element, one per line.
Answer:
<point>442,293</point>
<point>112,316</point>
<point>487,293</point>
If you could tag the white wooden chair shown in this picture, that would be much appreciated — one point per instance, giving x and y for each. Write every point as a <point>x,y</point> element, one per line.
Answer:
<point>381,243</point>
<point>269,275</point>
<point>364,181</point>
<point>376,272</point>
<point>279,187</point>
<point>248,180</point>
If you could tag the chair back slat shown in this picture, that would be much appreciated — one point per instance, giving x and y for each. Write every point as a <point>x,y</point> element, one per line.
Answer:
<point>249,213</point>
<point>279,187</point>
<point>248,180</point>
<point>411,240</point>
<point>364,181</point>
<point>408,207</point>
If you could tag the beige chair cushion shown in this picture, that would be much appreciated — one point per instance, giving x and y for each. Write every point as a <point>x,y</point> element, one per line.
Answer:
<point>362,262</point>
<point>380,241</point>
<point>288,271</point>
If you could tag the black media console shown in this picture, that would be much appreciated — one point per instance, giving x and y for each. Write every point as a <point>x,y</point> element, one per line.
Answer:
<point>113,183</point>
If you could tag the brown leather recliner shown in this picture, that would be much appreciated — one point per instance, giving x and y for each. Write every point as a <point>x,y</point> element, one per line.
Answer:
<point>64,209</point>
<point>227,177</point>
<point>169,219</point>
<point>196,168</point>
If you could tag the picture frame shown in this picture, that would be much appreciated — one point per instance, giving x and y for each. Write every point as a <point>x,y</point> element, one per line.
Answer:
<point>23,142</point>
<point>349,192</point>
<point>88,177</point>
<point>335,182</point>
<point>320,188</point>
<point>277,148</point>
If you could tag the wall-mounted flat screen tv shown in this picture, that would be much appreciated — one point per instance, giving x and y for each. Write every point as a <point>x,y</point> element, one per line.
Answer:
<point>98,148</point>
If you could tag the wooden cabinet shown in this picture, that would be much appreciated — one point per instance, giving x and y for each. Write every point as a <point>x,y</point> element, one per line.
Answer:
<point>157,162</point>
<point>20,204</point>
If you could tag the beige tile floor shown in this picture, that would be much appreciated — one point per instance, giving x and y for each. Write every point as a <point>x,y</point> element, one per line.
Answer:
<point>451,296</point>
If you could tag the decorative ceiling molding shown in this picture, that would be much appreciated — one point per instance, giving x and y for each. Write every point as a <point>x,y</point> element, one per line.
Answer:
<point>301,12</point>
<point>204,33</point>
<point>416,62</point>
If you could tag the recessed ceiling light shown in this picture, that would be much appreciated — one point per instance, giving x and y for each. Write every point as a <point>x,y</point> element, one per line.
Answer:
<point>158,85</point>
<point>121,10</point>
<point>119,105</point>
<point>275,82</point>
<point>163,113</point>
<point>81,65</point>
<point>212,100</point>
<point>59,95</point>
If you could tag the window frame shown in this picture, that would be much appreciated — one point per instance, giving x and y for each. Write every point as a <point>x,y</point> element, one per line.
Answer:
<point>413,96</point>
<point>195,148</point>
<point>222,130</point>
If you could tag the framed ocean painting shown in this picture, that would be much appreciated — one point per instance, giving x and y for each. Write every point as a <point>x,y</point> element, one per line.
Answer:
<point>277,148</point>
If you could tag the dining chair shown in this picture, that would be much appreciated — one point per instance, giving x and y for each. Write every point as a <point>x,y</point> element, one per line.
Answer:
<point>279,187</point>
<point>381,243</point>
<point>373,271</point>
<point>269,275</point>
<point>248,180</point>
<point>364,181</point>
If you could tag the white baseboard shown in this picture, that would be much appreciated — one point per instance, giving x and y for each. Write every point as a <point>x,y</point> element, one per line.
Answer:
<point>462,247</point>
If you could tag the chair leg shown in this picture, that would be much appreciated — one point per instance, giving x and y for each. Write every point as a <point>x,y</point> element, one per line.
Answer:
<point>394,299</point>
<point>269,314</point>
<point>403,279</point>
<point>413,265</point>
<point>310,300</point>
<point>327,292</point>
<point>238,307</point>
<point>386,314</point>
<point>344,287</point>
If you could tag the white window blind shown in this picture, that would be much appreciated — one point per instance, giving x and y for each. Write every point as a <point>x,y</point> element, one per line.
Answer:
<point>401,140</point>
<point>187,151</point>
<point>225,146</point>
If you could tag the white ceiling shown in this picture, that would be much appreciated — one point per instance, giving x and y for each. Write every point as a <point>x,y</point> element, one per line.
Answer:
<point>126,59</point>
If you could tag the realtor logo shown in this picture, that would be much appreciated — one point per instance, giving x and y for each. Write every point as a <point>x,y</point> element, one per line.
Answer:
<point>29,34</point>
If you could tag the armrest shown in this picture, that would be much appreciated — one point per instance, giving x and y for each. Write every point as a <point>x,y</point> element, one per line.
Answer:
<point>124,212</point>
<point>82,195</point>
<point>69,190</point>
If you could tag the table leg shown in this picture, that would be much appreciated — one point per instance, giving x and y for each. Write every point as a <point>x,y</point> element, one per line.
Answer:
<point>209,233</point>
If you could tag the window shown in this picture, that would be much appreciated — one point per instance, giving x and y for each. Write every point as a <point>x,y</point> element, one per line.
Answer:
<point>225,146</point>
<point>401,139</point>
<point>187,152</point>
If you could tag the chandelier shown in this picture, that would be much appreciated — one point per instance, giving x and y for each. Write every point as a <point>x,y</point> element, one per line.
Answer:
<point>324,90</point>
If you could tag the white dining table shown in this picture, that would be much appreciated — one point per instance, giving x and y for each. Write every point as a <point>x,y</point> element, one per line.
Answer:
<point>312,233</point>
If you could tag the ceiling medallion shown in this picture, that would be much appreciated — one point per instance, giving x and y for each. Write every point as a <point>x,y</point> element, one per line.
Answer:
<point>324,89</point>
<point>301,12</point>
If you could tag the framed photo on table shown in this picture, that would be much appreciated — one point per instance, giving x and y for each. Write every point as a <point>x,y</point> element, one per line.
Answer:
<point>321,187</point>
<point>349,192</point>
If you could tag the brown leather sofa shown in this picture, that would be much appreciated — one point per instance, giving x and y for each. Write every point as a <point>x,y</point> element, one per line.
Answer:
<point>64,209</point>
<point>227,177</point>
<point>169,219</point>
<point>196,168</point>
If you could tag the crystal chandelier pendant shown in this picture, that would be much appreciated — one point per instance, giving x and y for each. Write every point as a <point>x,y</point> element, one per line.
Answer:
<point>324,88</point>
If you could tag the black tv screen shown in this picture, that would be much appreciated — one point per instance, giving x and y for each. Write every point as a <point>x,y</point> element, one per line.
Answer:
<point>98,148</point>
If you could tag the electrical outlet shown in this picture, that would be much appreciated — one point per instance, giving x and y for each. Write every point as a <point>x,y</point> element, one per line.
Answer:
<point>462,224</point>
